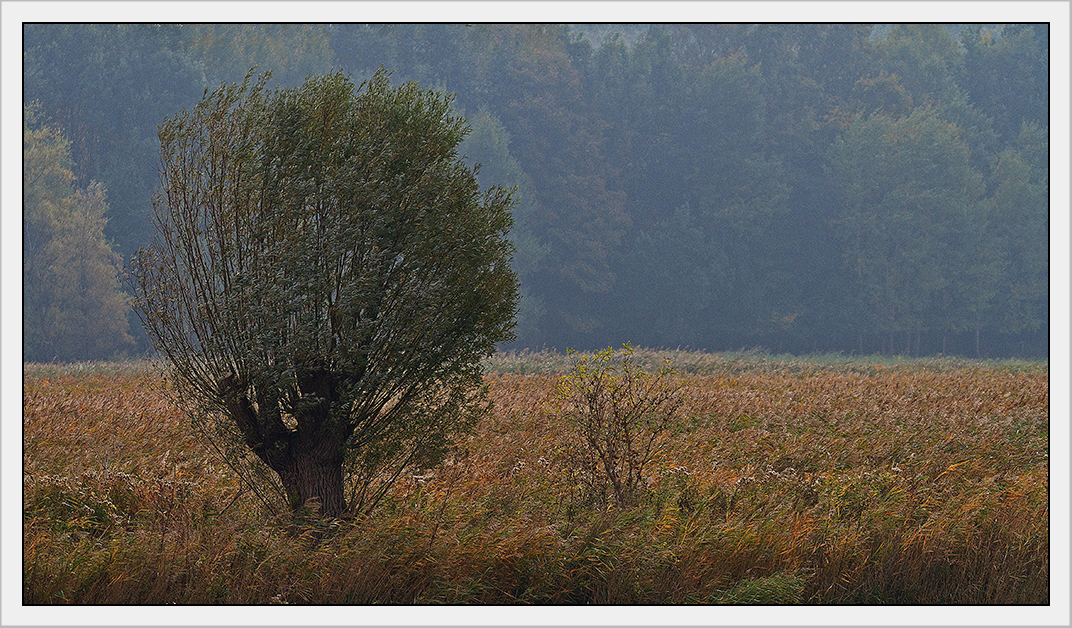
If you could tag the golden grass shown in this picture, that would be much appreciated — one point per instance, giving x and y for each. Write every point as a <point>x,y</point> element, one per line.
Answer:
<point>837,482</point>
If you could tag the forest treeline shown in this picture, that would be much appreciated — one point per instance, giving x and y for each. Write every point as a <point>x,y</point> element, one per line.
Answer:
<point>802,188</point>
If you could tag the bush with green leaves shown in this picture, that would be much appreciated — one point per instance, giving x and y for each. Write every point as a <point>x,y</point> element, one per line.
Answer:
<point>621,413</point>
<point>325,279</point>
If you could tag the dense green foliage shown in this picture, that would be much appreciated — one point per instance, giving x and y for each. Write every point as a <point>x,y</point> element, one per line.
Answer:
<point>327,276</point>
<point>804,187</point>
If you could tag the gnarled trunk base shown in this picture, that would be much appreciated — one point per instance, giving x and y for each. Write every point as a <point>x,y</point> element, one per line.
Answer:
<point>311,473</point>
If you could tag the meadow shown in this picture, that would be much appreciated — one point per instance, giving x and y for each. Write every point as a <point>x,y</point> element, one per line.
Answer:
<point>821,480</point>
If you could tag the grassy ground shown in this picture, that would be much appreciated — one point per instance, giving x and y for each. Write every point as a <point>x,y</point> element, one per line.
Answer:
<point>826,480</point>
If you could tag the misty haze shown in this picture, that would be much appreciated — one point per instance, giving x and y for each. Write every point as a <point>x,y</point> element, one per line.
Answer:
<point>796,188</point>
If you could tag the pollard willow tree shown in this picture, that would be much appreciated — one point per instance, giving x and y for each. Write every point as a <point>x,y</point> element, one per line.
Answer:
<point>325,279</point>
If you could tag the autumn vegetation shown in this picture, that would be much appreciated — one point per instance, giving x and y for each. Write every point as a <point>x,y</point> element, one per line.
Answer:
<point>826,480</point>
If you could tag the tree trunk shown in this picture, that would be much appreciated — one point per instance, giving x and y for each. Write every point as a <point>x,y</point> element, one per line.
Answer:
<point>308,460</point>
<point>312,470</point>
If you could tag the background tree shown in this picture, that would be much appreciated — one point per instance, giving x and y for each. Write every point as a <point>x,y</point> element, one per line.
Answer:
<point>228,51</point>
<point>326,277</point>
<point>488,144</point>
<point>739,192</point>
<point>73,308</point>
<point>580,218</point>
<point>910,214</point>
<point>668,271</point>
<point>1020,221</point>
<point>47,185</point>
<point>107,86</point>
<point>623,138</point>
<point>1007,76</point>
<point>924,57</point>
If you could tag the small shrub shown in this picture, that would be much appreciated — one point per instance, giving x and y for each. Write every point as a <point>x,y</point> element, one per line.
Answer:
<point>621,414</point>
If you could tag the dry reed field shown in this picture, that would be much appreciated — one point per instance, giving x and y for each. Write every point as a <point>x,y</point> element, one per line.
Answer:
<point>821,481</point>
